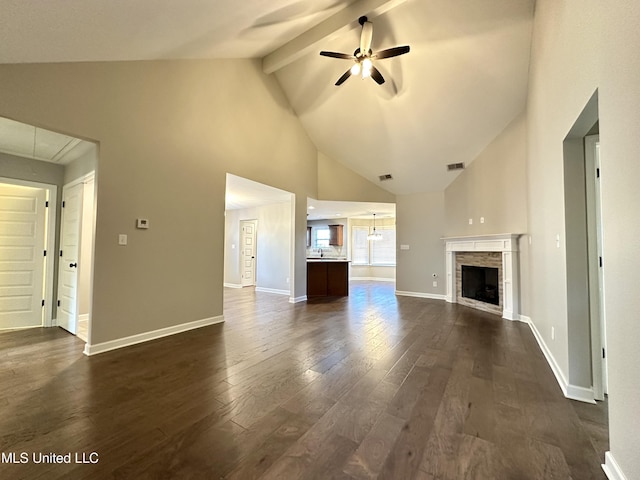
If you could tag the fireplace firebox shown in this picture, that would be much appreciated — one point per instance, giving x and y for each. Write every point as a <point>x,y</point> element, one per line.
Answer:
<point>481,284</point>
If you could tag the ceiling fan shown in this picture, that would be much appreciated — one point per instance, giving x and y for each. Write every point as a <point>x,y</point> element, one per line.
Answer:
<point>364,57</point>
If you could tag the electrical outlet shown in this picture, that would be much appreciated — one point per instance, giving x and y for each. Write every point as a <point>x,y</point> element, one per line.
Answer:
<point>481,219</point>
<point>471,221</point>
<point>435,283</point>
<point>553,333</point>
<point>122,239</point>
<point>287,280</point>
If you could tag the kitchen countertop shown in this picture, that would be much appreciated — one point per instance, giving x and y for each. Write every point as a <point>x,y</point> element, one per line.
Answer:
<point>318,259</point>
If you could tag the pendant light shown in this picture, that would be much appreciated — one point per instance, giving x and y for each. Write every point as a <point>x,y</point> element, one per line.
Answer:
<point>374,235</point>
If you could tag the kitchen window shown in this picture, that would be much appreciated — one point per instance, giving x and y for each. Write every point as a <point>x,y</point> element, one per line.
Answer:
<point>322,237</point>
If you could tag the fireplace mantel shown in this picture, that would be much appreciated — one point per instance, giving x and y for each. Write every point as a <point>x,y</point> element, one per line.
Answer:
<point>507,244</point>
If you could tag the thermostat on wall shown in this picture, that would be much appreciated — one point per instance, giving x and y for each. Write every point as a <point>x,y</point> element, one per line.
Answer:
<point>142,223</point>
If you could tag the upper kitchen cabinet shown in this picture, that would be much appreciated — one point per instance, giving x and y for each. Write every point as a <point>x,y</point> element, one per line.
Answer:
<point>336,235</point>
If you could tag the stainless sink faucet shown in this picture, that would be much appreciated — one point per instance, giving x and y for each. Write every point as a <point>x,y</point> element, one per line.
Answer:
<point>321,254</point>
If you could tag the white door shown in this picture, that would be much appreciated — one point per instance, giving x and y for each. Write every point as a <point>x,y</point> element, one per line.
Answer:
<point>248,251</point>
<point>22,260</point>
<point>69,256</point>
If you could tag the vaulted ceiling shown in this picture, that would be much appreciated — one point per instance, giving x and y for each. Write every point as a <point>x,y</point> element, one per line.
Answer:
<point>463,82</point>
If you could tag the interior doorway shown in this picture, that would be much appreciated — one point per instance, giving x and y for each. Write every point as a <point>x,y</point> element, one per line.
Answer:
<point>259,237</point>
<point>44,162</point>
<point>248,239</point>
<point>27,220</point>
<point>584,261</point>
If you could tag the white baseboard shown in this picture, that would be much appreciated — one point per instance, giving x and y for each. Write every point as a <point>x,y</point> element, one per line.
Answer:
<point>373,279</point>
<point>303,298</point>
<point>432,296</point>
<point>573,392</point>
<point>611,468</point>
<point>147,336</point>
<point>232,285</point>
<point>272,290</point>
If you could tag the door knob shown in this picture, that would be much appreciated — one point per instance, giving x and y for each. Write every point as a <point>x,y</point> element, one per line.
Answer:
<point>73,265</point>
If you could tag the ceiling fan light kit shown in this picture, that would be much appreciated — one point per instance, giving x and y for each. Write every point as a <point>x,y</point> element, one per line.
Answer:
<point>364,56</point>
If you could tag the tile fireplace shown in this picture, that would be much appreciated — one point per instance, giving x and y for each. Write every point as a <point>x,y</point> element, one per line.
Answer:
<point>498,291</point>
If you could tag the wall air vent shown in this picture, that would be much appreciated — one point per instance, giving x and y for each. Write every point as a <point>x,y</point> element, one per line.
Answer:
<point>455,166</point>
<point>385,177</point>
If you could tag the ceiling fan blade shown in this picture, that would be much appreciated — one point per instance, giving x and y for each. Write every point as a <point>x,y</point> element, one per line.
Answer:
<point>392,52</point>
<point>337,55</point>
<point>376,75</point>
<point>343,78</point>
<point>366,36</point>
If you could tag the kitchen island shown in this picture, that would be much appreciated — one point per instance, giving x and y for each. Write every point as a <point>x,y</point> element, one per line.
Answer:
<point>327,277</point>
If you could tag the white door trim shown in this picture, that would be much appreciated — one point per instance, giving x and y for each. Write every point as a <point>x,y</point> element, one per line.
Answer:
<point>50,242</point>
<point>596,284</point>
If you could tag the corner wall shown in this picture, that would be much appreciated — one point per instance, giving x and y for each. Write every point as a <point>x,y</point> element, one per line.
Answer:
<point>493,187</point>
<point>420,225</point>
<point>580,47</point>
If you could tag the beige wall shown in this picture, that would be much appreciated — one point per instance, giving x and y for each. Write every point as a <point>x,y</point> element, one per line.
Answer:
<point>578,47</point>
<point>169,131</point>
<point>493,186</point>
<point>420,223</point>
<point>337,182</point>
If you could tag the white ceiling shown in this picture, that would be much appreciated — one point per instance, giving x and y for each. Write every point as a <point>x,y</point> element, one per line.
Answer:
<point>322,209</point>
<point>35,31</point>
<point>244,193</point>
<point>27,141</point>
<point>463,82</point>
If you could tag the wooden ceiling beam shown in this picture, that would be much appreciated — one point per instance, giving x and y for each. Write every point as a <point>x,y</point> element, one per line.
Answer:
<point>341,22</point>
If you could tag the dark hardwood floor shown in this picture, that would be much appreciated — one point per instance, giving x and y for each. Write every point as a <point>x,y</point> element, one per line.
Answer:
<point>367,386</point>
